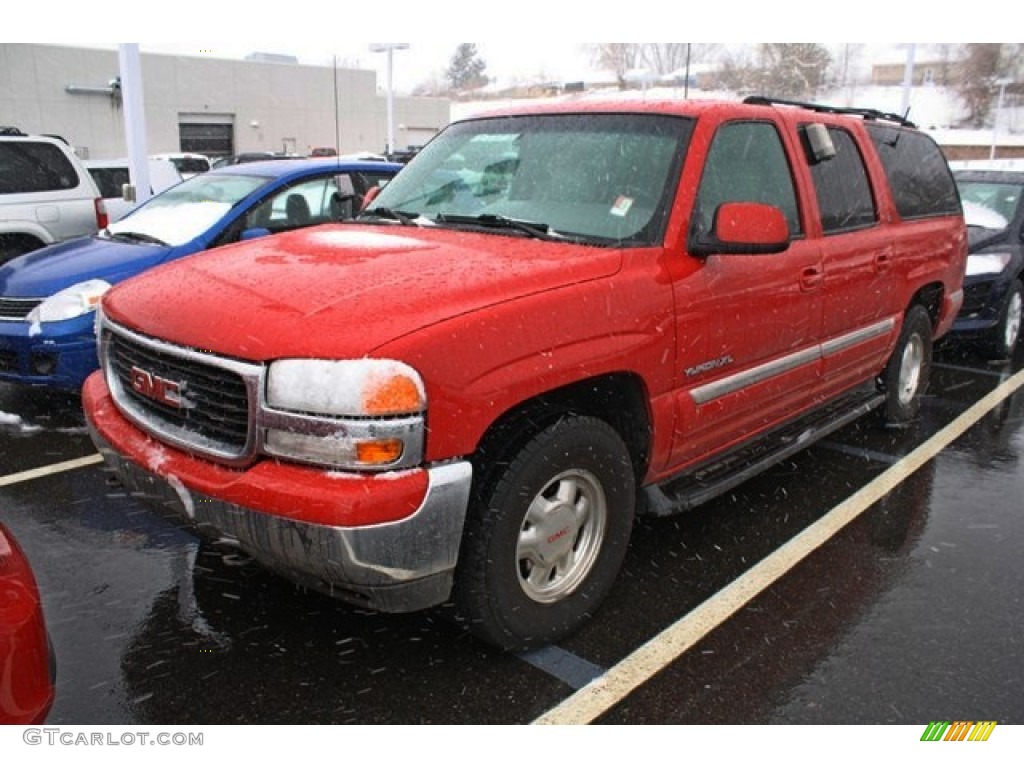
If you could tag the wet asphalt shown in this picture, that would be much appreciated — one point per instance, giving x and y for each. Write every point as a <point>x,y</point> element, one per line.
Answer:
<point>911,613</point>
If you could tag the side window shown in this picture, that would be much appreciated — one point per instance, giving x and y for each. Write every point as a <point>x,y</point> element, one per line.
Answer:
<point>316,201</point>
<point>844,192</point>
<point>746,163</point>
<point>919,176</point>
<point>29,166</point>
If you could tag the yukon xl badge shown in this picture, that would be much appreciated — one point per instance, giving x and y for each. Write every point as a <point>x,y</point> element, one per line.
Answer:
<point>157,388</point>
<point>710,365</point>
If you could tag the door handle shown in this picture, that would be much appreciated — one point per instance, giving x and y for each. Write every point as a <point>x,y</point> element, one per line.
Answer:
<point>883,261</point>
<point>811,279</point>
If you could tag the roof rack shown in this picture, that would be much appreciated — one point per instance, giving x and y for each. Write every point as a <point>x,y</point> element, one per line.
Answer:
<point>10,130</point>
<point>867,114</point>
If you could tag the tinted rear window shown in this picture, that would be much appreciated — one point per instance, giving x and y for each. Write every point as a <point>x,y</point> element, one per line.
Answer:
<point>110,180</point>
<point>28,166</point>
<point>918,174</point>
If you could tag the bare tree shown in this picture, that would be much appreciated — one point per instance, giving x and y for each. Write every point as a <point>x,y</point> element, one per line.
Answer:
<point>793,70</point>
<point>620,58</point>
<point>979,68</point>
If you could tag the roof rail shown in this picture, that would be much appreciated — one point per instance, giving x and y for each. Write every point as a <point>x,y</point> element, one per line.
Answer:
<point>10,130</point>
<point>867,114</point>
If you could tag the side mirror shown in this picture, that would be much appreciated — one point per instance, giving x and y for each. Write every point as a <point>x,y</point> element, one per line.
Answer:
<point>745,228</point>
<point>252,234</point>
<point>128,193</point>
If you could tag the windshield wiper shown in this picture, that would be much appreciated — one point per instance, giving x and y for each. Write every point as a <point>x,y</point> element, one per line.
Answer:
<point>134,237</point>
<point>538,230</point>
<point>404,218</point>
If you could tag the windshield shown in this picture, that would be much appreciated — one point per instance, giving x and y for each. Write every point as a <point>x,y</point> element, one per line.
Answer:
<point>601,178</point>
<point>989,204</point>
<point>187,210</point>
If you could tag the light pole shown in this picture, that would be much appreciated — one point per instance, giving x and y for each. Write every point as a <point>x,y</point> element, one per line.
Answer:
<point>1002,83</point>
<point>390,48</point>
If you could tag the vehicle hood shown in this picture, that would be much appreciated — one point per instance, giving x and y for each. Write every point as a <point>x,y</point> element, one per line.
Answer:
<point>48,270</point>
<point>342,291</point>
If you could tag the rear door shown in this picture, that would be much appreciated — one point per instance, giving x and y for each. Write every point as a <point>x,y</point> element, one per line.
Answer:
<point>861,296</point>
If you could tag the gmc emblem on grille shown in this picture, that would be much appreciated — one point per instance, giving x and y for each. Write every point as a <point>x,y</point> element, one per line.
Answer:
<point>154,387</point>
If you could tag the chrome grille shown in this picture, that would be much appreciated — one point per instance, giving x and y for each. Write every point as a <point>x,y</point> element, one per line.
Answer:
<point>218,396</point>
<point>17,309</point>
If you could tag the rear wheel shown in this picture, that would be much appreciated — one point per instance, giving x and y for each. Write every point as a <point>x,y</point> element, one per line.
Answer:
<point>547,541</point>
<point>906,375</point>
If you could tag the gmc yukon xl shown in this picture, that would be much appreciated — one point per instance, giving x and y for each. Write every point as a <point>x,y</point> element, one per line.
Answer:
<point>553,318</point>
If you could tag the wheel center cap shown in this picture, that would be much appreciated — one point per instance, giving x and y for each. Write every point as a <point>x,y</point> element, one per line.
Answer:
<point>557,534</point>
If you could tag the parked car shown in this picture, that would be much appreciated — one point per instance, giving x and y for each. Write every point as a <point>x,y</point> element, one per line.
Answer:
<point>28,668</point>
<point>46,194</point>
<point>245,157</point>
<point>47,297</point>
<point>463,398</point>
<point>991,316</point>
<point>188,164</point>
<point>112,175</point>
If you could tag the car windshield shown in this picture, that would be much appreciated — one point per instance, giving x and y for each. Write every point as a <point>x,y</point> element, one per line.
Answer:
<point>988,204</point>
<point>185,211</point>
<point>596,178</point>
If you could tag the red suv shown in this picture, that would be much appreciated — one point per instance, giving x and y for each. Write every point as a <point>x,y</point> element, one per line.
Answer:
<point>552,318</point>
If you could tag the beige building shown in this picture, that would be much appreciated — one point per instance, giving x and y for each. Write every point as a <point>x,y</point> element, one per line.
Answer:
<point>205,104</point>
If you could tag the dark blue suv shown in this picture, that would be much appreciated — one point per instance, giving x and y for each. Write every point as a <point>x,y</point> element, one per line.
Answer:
<point>48,297</point>
<point>992,309</point>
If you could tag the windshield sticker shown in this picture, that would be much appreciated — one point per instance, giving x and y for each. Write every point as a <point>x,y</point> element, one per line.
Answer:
<point>621,205</point>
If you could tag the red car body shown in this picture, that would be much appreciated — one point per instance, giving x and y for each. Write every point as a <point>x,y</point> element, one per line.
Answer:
<point>26,662</point>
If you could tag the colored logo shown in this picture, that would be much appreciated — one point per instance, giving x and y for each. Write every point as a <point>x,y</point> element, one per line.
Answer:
<point>960,730</point>
<point>156,388</point>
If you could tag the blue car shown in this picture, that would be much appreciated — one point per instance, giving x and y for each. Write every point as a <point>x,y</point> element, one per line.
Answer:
<point>48,297</point>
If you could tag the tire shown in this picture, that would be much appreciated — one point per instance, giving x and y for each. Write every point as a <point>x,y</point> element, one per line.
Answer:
<point>906,375</point>
<point>548,536</point>
<point>1006,334</point>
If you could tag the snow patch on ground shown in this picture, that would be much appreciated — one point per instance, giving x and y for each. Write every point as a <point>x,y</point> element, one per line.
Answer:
<point>14,420</point>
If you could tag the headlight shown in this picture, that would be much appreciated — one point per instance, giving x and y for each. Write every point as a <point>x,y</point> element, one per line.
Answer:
<point>75,301</point>
<point>352,414</point>
<point>987,263</point>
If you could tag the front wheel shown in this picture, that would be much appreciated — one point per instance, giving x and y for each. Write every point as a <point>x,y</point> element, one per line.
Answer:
<point>906,375</point>
<point>1006,334</point>
<point>546,544</point>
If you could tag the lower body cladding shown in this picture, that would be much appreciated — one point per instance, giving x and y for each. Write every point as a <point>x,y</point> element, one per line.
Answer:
<point>395,567</point>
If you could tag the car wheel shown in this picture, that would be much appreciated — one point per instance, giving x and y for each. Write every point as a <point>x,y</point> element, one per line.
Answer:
<point>549,536</point>
<point>1007,333</point>
<point>905,378</point>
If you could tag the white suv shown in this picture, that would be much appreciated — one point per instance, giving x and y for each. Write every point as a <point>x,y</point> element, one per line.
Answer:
<point>46,195</point>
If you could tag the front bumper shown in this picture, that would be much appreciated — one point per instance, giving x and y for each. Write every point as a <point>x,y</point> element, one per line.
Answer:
<point>60,356</point>
<point>311,526</point>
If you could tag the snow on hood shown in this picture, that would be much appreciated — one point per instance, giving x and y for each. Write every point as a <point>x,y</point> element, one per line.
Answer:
<point>977,215</point>
<point>342,291</point>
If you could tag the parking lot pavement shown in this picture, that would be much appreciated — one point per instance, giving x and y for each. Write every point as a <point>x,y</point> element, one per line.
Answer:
<point>907,613</point>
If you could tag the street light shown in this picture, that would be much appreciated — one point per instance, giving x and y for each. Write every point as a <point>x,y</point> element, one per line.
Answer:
<point>1002,83</point>
<point>390,48</point>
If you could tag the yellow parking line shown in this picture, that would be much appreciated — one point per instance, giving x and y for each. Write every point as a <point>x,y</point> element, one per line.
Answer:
<point>52,469</point>
<point>596,698</point>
